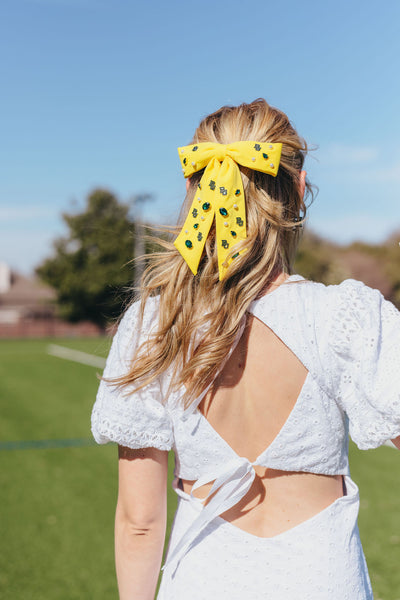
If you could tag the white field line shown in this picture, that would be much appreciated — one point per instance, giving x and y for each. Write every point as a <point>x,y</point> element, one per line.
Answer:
<point>76,356</point>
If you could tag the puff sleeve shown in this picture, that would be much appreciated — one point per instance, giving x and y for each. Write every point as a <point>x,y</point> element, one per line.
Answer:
<point>139,419</point>
<point>365,340</point>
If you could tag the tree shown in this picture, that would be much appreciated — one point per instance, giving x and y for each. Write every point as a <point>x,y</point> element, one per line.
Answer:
<point>316,259</point>
<point>393,264</point>
<point>91,267</point>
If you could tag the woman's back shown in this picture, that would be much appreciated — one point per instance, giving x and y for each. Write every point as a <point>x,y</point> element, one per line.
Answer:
<point>248,406</point>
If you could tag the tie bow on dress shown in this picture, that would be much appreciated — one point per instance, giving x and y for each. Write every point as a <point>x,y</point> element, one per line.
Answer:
<point>232,481</point>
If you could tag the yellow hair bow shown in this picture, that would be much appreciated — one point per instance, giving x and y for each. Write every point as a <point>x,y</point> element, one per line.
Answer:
<point>220,194</point>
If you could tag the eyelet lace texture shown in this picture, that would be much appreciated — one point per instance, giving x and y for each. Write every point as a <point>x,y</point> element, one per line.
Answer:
<point>135,420</point>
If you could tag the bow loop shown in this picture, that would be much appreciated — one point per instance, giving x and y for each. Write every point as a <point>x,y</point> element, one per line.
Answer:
<point>220,194</point>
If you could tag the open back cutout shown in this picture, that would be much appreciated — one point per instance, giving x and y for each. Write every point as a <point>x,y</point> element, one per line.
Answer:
<point>249,407</point>
<point>256,391</point>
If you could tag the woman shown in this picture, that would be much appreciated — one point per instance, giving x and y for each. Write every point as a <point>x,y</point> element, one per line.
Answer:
<point>253,376</point>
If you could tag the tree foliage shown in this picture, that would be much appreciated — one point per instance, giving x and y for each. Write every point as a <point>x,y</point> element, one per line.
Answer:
<point>377,265</point>
<point>91,266</point>
<point>392,264</point>
<point>316,259</point>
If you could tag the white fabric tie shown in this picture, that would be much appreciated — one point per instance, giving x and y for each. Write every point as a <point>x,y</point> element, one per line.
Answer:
<point>232,481</point>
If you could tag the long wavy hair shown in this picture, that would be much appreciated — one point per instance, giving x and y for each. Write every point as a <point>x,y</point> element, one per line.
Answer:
<point>275,212</point>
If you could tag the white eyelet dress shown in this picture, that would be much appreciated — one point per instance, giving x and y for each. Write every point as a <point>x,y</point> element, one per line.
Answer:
<point>348,338</point>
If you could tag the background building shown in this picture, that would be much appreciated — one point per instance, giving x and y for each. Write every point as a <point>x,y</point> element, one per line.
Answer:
<point>28,309</point>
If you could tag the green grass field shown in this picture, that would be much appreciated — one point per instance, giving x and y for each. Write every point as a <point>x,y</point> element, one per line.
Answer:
<point>57,503</point>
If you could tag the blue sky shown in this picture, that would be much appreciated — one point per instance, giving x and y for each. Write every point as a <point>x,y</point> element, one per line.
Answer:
<point>101,93</point>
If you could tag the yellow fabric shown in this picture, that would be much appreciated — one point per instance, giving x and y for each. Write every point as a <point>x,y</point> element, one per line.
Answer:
<point>220,195</point>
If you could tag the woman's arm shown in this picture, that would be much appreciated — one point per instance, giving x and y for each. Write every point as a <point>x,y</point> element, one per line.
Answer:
<point>140,521</point>
<point>396,442</point>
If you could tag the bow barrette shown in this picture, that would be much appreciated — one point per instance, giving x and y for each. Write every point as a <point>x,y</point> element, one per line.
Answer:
<point>220,194</point>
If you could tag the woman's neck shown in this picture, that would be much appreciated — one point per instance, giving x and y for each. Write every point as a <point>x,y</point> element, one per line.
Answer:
<point>278,277</point>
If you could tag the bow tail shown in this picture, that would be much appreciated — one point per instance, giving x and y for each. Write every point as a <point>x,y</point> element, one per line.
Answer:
<point>192,237</point>
<point>230,214</point>
<point>230,486</point>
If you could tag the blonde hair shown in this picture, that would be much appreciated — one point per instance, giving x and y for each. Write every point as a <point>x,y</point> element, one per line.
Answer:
<point>189,304</point>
